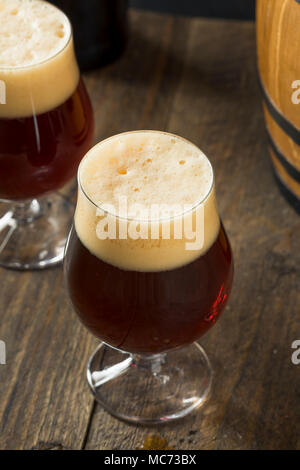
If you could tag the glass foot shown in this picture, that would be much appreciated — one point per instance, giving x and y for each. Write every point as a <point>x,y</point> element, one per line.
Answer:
<point>33,234</point>
<point>150,389</point>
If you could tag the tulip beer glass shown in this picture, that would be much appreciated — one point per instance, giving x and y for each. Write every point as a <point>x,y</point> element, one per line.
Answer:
<point>149,270</point>
<point>46,126</point>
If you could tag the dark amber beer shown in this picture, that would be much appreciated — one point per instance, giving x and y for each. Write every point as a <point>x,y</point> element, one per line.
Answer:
<point>147,296</point>
<point>149,312</point>
<point>46,122</point>
<point>40,154</point>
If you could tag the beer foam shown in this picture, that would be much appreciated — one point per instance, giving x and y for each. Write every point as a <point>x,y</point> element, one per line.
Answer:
<point>37,58</point>
<point>147,168</point>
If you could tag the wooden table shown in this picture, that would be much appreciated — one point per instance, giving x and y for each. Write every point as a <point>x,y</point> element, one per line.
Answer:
<point>196,78</point>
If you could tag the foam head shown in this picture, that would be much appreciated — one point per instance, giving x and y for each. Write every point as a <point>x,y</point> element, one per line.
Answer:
<point>146,176</point>
<point>37,60</point>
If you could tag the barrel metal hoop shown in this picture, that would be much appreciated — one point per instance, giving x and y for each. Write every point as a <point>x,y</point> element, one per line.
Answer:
<point>282,122</point>
<point>293,200</point>
<point>291,170</point>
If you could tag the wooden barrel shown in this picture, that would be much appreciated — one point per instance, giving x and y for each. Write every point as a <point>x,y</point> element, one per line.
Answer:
<point>278,48</point>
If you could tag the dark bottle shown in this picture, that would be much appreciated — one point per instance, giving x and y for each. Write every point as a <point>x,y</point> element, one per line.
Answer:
<point>100,29</point>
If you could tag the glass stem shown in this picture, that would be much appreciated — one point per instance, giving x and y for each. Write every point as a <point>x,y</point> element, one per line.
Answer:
<point>153,362</point>
<point>26,212</point>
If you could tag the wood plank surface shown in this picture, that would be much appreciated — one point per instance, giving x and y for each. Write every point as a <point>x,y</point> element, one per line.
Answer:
<point>196,78</point>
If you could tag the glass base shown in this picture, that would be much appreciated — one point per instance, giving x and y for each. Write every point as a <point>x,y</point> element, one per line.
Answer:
<point>33,234</point>
<point>150,389</point>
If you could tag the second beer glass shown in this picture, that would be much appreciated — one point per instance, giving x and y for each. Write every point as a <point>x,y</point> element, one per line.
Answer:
<point>46,126</point>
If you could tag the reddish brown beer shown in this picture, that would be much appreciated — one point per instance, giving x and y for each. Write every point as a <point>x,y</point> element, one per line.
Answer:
<point>41,154</point>
<point>149,312</point>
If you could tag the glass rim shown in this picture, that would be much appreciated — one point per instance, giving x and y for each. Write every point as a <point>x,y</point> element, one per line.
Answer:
<point>194,207</point>
<point>10,68</point>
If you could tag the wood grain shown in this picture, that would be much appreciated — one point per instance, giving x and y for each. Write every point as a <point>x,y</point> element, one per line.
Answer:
<point>277,49</point>
<point>196,78</point>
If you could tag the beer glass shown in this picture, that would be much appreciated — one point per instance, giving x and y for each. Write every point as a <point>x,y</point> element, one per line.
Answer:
<point>149,269</point>
<point>46,126</point>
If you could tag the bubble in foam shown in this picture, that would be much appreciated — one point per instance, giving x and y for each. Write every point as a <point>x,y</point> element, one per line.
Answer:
<point>32,31</point>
